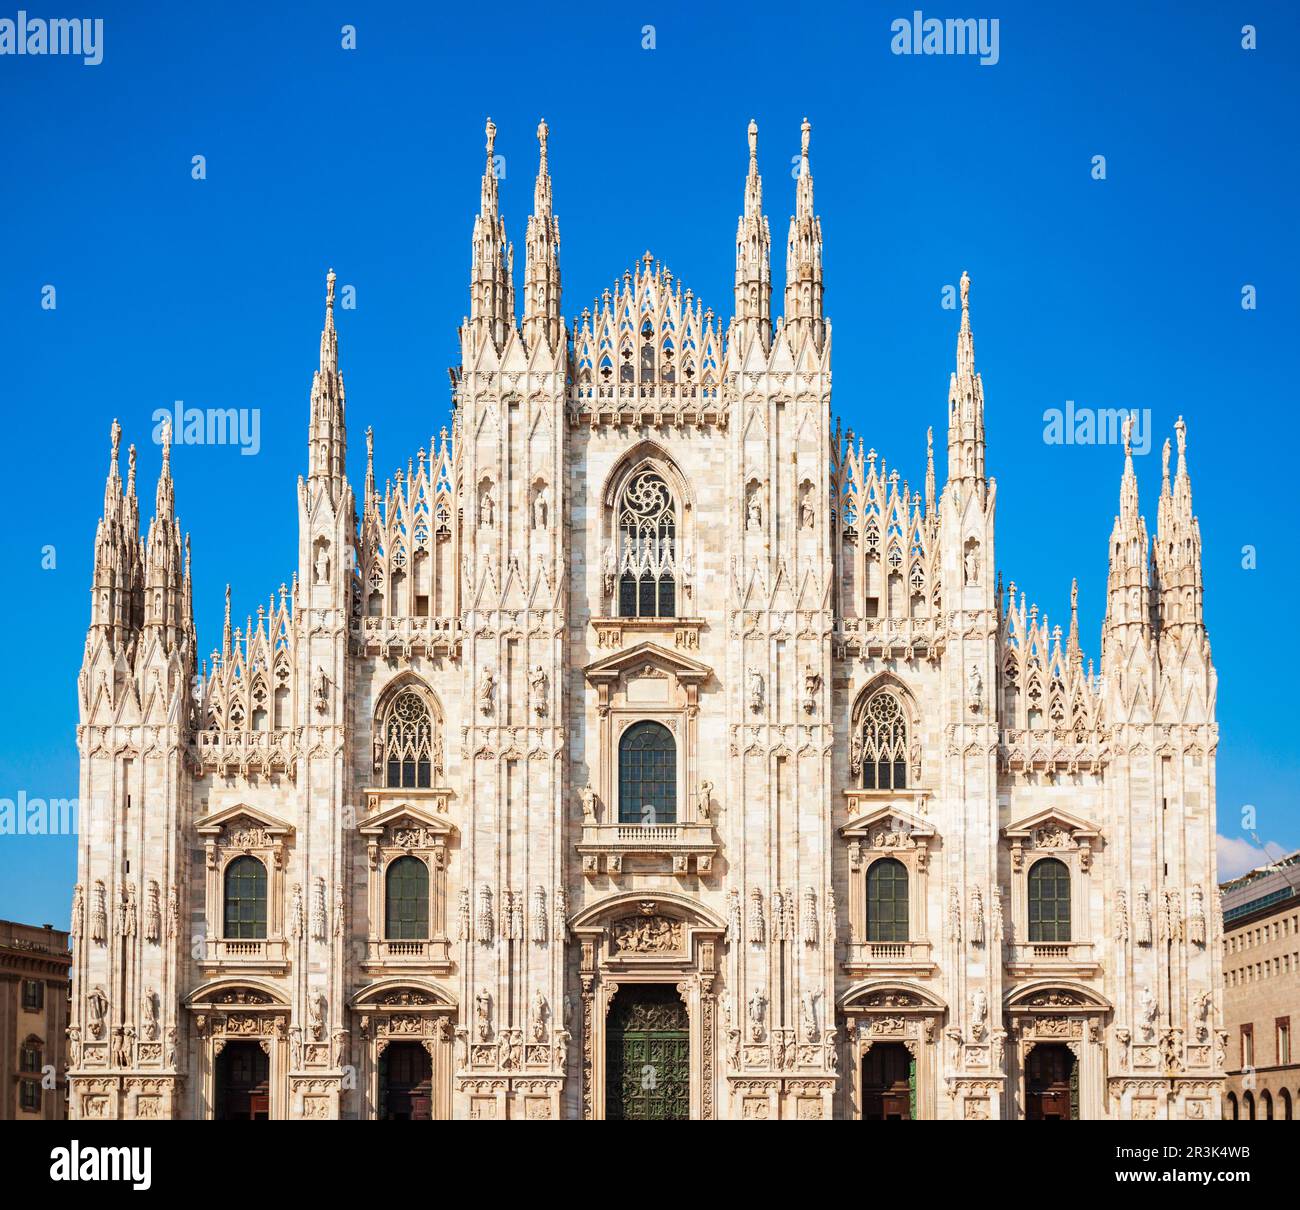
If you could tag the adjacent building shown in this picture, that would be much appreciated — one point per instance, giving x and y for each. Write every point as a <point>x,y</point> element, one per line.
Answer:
<point>1261,991</point>
<point>646,746</point>
<point>35,965</point>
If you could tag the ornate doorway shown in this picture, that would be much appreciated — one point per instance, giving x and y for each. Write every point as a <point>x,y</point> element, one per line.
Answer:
<point>243,1075</point>
<point>888,1083</point>
<point>405,1083</point>
<point>647,1055</point>
<point>1051,1084</point>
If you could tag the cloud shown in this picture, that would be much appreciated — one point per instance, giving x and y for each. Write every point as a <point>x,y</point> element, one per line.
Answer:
<point>1236,855</point>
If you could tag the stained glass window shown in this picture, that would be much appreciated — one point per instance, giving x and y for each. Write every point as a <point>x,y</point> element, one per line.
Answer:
<point>406,900</point>
<point>647,775</point>
<point>408,742</point>
<point>1049,901</point>
<point>245,900</point>
<point>887,900</point>
<point>647,524</point>
<point>884,744</point>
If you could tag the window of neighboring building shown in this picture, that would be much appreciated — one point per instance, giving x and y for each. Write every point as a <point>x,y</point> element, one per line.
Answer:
<point>29,1095</point>
<point>1049,901</point>
<point>33,995</point>
<point>1247,1046</point>
<point>887,901</point>
<point>406,900</point>
<point>245,900</point>
<point>29,1057</point>
<point>1283,1040</point>
<point>647,775</point>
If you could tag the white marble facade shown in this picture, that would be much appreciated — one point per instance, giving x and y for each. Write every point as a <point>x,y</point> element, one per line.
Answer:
<point>838,679</point>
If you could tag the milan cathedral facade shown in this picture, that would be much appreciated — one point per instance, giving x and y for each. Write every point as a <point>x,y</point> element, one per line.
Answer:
<point>645,748</point>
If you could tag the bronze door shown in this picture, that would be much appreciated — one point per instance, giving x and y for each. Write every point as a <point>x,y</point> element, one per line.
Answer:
<point>405,1083</point>
<point>1051,1091</point>
<point>648,1056</point>
<point>888,1083</point>
<point>242,1083</point>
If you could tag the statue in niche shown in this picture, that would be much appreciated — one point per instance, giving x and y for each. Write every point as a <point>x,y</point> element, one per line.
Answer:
<point>540,508</point>
<point>609,569</point>
<point>316,1012</point>
<point>971,563</point>
<point>482,1011</point>
<point>487,686</point>
<point>487,510</point>
<point>538,681</point>
<point>812,683</point>
<point>149,1014</point>
<point>979,1013</point>
<point>97,1008</point>
<point>588,796</point>
<point>702,799</point>
<point>807,516</point>
<point>1148,1010</point>
<point>755,690</point>
<point>975,688</point>
<point>753,514</point>
<point>322,564</point>
<point>539,1017</point>
<point>757,1009</point>
<point>321,689</point>
<point>808,1010</point>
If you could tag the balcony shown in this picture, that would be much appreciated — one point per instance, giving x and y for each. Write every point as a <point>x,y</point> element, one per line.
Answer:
<point>270,955</point>
<point>1052,958</point>
<point>682,848</point>
<point>871,958</point>
<point>430,956</point>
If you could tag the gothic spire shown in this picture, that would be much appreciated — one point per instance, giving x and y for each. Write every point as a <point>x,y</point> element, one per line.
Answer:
<point>803,253</point>
<point>1178,546</point>
<point>754,256</point>
<point>965,403</point>
<point>1128,586</point>
<point>492,302</point>
<point>328,433</point>
<point>542,268</point>
<point>113,578</point>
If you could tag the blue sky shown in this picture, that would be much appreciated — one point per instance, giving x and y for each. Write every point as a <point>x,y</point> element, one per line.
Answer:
<point>1122,292</point>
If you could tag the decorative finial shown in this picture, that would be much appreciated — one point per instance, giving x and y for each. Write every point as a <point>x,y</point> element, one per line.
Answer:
<point>116,435</point>
<point>753,140</point>
<point>491,131</point>
<point>370,442</point>
<point>543,131</point>
<point>965,292</point>
<point>1164,462</point>
<point>648,258</point>
<point>805,131</point>
<point>1128,435</point>
<point>329,292</point>
<point>166,442</point>
<point>130,469</point>
<point>1181,430</point>
<point>1074,593</point>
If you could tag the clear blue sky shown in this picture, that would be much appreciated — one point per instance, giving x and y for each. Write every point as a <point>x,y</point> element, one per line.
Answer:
<point>1123,292</point>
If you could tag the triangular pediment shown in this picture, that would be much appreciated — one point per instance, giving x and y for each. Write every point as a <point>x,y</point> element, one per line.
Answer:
<point>1051,817</point>
<point>404,814</point>
<point>614,666</point>
<point>889,816</point>
<point>214,821</point>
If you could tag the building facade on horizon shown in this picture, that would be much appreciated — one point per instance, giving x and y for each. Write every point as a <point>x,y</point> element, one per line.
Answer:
<point>35,962</point>
<point>1261,990</point>
<point>646,747</point>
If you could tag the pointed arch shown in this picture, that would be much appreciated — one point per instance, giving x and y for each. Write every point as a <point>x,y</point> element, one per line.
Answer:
<point>407,734</point>
<point>884,752</point>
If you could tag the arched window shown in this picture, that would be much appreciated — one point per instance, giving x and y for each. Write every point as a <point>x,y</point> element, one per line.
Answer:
<point>245,900</point>
<point>406,900</point>
<point>887,901</point>
<point>1049,901</point>
<point>647,535</point>
<point>1248,1106</point>
<point>408,742</point>
<point>647,775</point>
<point>1233,1112</point>
<point>1285,1098</point>
<point>884,744</point>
